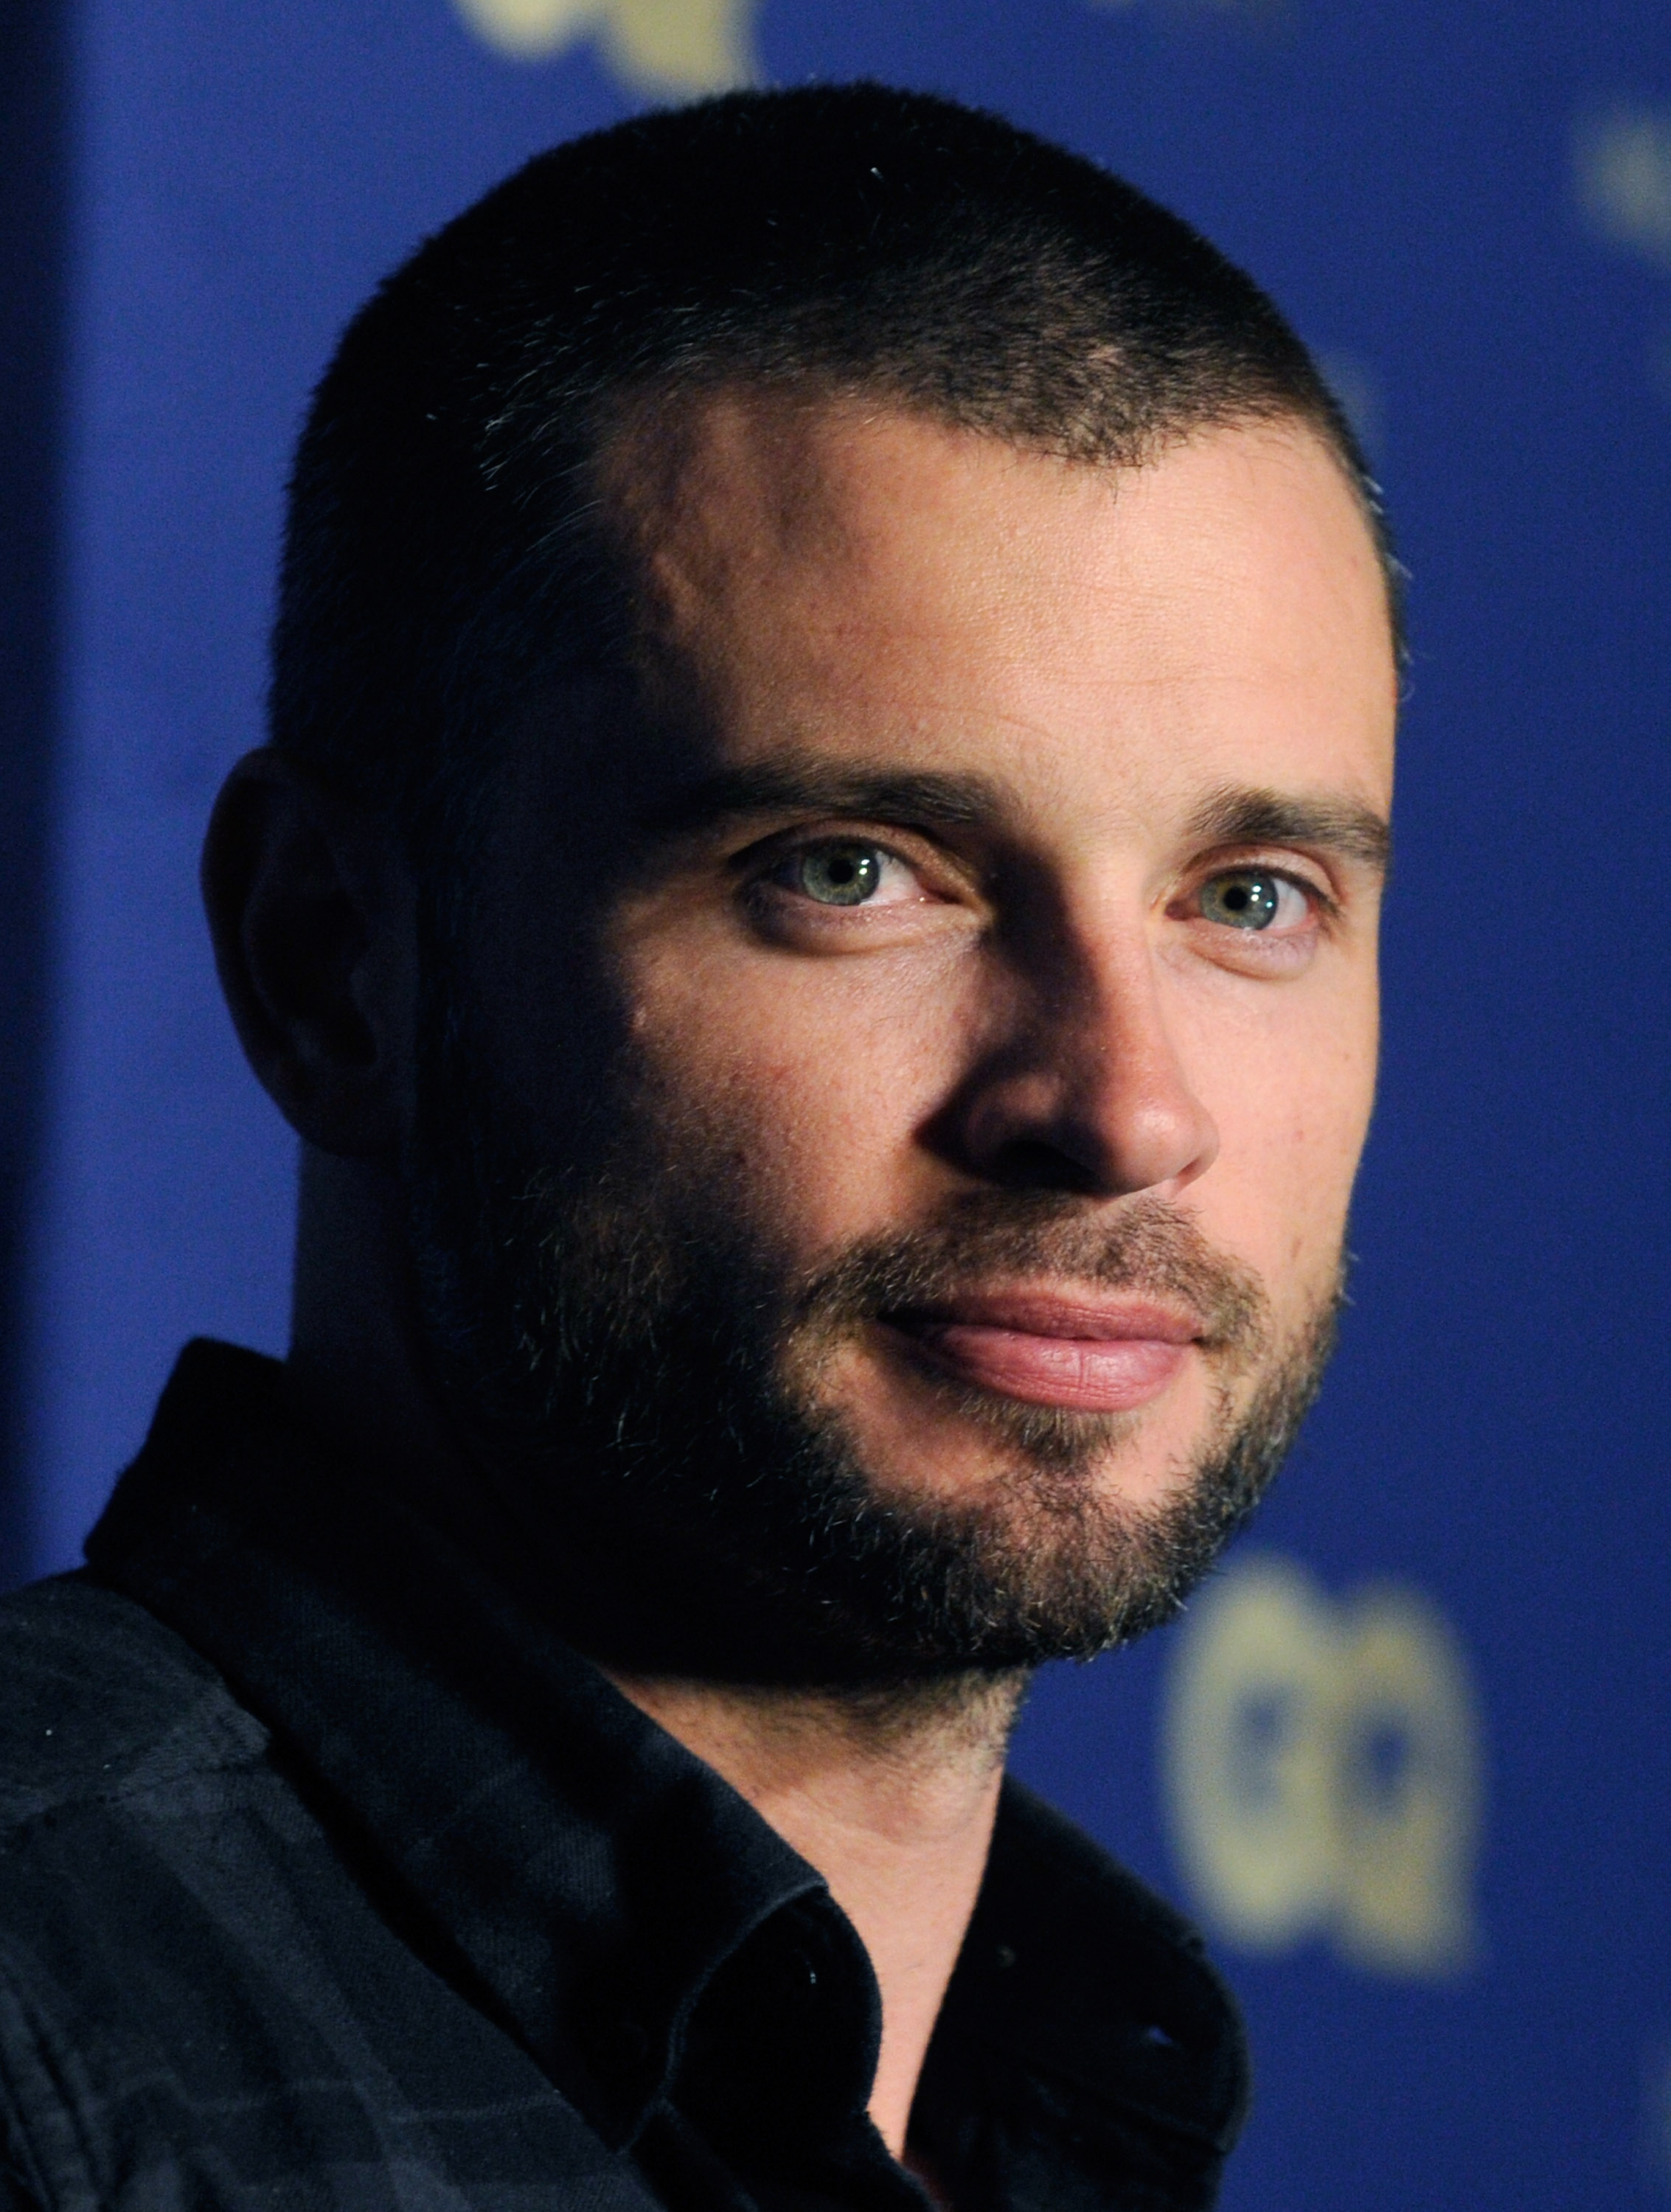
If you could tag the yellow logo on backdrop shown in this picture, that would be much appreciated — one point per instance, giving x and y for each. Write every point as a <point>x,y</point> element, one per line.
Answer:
<point>653,45</point>
<point>1322,1769</point>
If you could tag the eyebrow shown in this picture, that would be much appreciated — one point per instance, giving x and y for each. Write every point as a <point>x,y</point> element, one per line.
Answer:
<point>937,800</point>
<point>1233,815</point>
<point>1332,823</point>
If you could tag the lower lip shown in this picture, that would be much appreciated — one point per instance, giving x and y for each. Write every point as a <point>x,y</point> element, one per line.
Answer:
<point>1086,1375</point>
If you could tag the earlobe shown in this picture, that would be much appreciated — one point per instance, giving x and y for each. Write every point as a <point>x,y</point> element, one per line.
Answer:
<point>310,910</point>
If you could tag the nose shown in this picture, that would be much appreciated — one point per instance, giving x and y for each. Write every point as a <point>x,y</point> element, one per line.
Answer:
<point>1082,1088</point>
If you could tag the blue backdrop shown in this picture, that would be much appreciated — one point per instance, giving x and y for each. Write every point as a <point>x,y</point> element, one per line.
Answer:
<point>1410,1761</point>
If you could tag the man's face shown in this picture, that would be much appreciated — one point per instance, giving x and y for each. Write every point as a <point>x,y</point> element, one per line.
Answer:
<point>950,1017</point>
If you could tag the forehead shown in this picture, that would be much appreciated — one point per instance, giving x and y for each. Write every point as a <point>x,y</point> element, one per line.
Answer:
<point>874,585</point>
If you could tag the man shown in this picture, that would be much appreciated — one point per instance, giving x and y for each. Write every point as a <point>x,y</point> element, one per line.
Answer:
<point>812,901</point>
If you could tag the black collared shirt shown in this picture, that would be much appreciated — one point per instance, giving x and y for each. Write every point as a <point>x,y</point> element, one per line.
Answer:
<point>329,1878</point>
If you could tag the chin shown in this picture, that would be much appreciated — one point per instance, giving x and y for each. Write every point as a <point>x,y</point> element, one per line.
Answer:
<point>928,1439</point>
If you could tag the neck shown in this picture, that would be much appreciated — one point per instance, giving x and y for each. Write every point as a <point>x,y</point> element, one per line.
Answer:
<point>891,1795</point>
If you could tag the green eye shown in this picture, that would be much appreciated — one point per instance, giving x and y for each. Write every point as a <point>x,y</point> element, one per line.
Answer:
<point>1246,898</point>
<point>838,875</point>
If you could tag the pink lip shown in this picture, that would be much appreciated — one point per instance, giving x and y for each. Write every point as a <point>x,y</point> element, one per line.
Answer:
<point>1092,1355</point>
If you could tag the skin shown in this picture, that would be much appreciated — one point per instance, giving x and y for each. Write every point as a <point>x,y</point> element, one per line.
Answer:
<point>1036,995</point>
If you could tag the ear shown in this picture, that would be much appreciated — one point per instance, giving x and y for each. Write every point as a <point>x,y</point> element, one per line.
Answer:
<point>311,909</point>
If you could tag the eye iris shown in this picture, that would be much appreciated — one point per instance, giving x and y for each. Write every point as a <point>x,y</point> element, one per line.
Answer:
<point>840,875</point>
<point>1245,900</point>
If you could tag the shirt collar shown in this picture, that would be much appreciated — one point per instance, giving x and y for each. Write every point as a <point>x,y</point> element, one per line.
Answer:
<point>1074,1971</point>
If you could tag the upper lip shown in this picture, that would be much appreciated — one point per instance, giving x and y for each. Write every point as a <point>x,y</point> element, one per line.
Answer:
<point>1086,1316</point>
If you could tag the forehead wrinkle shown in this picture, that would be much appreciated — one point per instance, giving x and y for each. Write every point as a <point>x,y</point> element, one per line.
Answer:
<point>744,497</point>
<point>723,497</point>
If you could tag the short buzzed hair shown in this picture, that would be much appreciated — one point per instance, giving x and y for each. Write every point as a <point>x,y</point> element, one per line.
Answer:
<point>446,553</point>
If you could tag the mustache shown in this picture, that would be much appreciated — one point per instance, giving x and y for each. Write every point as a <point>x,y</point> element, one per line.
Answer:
<point>1149,1247</point>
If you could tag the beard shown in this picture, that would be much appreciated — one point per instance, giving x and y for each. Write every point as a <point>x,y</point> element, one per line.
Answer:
<point>643,1377</point>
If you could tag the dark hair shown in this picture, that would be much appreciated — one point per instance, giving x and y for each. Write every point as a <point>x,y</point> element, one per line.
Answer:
<point>444,550</point>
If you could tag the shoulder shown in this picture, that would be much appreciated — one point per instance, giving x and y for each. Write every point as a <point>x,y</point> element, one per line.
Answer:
<point>101,1699</point>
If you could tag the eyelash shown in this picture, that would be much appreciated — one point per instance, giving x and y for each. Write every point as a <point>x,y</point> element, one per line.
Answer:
<point>764,866</point>
<point>761,864</point>
<point>1323,904</point>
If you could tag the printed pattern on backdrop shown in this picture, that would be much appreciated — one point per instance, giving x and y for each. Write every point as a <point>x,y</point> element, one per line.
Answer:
<point>1322,1766</point>
<point>674,45</point>
<point>1622,169</point>
<point>651,45</point>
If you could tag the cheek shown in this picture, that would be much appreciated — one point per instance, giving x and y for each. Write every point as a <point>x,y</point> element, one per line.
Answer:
<point>812,1078</point>
<point>1292,1106</point>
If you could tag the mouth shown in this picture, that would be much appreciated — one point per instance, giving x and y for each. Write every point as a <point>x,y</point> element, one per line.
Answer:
<point>1080,1352</point>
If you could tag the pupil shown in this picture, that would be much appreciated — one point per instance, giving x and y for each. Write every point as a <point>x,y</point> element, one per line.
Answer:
<point>1246,902</point>
<point>841,875</point>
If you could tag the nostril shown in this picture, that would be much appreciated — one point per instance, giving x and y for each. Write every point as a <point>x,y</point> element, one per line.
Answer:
<point>1029,1163</point>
